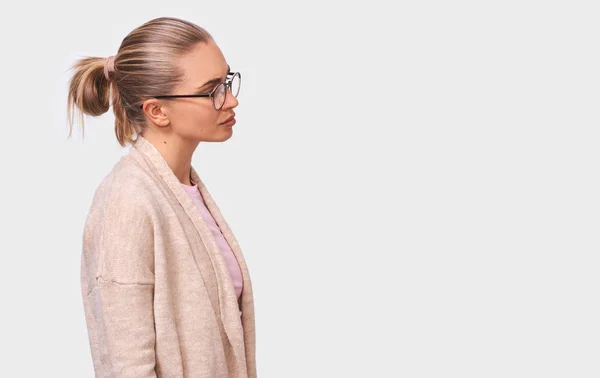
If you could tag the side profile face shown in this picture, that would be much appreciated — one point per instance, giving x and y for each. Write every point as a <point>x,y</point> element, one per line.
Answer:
<point>195,118</point>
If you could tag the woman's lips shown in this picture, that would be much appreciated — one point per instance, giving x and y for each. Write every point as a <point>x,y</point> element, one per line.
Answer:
<point>230,122</point>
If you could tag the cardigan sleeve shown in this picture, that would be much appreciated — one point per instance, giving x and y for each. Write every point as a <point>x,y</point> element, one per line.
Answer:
<point>122,330</point>
<point>118,288</point>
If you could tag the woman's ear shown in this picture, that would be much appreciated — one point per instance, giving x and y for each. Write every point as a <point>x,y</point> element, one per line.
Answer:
<point>155,112</point>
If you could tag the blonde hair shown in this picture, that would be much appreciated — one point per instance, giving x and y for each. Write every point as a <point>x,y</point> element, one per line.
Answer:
<point>143,67</point>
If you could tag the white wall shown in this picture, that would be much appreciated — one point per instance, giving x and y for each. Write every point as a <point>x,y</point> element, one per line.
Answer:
<point>414,185</point>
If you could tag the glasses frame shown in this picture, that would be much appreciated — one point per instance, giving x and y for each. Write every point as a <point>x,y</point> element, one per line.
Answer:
<point>211,94</point>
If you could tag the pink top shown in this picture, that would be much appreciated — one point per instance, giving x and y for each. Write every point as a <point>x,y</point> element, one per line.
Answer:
<point>232,264</point>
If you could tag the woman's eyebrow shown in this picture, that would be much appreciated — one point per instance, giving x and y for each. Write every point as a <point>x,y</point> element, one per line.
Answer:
<point>215,81</point>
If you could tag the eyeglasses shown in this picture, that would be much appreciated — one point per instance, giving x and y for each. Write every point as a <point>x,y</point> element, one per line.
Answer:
<point>219,94</point>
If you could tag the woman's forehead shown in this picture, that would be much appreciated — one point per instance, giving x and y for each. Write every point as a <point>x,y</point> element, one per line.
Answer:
<point>203,63</point>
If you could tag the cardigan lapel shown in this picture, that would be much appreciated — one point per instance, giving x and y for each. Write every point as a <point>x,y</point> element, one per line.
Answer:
<point>227,298</point>
<point>243,333</point>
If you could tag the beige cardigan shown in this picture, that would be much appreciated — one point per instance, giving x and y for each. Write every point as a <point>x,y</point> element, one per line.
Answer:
<point>157,293</point>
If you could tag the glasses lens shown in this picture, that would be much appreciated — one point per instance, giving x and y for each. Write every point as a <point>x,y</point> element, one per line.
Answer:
<point>219,96</point>
<point>236,82</point>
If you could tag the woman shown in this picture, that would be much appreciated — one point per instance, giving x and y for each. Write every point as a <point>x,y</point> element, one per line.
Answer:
<point>165,287</point>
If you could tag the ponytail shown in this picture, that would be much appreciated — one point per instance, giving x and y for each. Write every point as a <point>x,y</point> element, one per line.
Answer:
<point>90,94</point>
<point>89,90</point>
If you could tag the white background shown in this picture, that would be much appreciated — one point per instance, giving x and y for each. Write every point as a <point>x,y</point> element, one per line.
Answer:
<point>414,184</point>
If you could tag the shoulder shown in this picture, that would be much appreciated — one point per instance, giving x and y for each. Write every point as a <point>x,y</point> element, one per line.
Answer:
<point>124,199</point>
<point>119,228</point>
<point>127,186</point>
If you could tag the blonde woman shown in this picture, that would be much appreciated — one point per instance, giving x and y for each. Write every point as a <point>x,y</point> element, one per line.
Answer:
<point>165,287</point>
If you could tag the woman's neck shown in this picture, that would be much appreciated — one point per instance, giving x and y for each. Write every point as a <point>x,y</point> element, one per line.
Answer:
<point>177,153</point>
